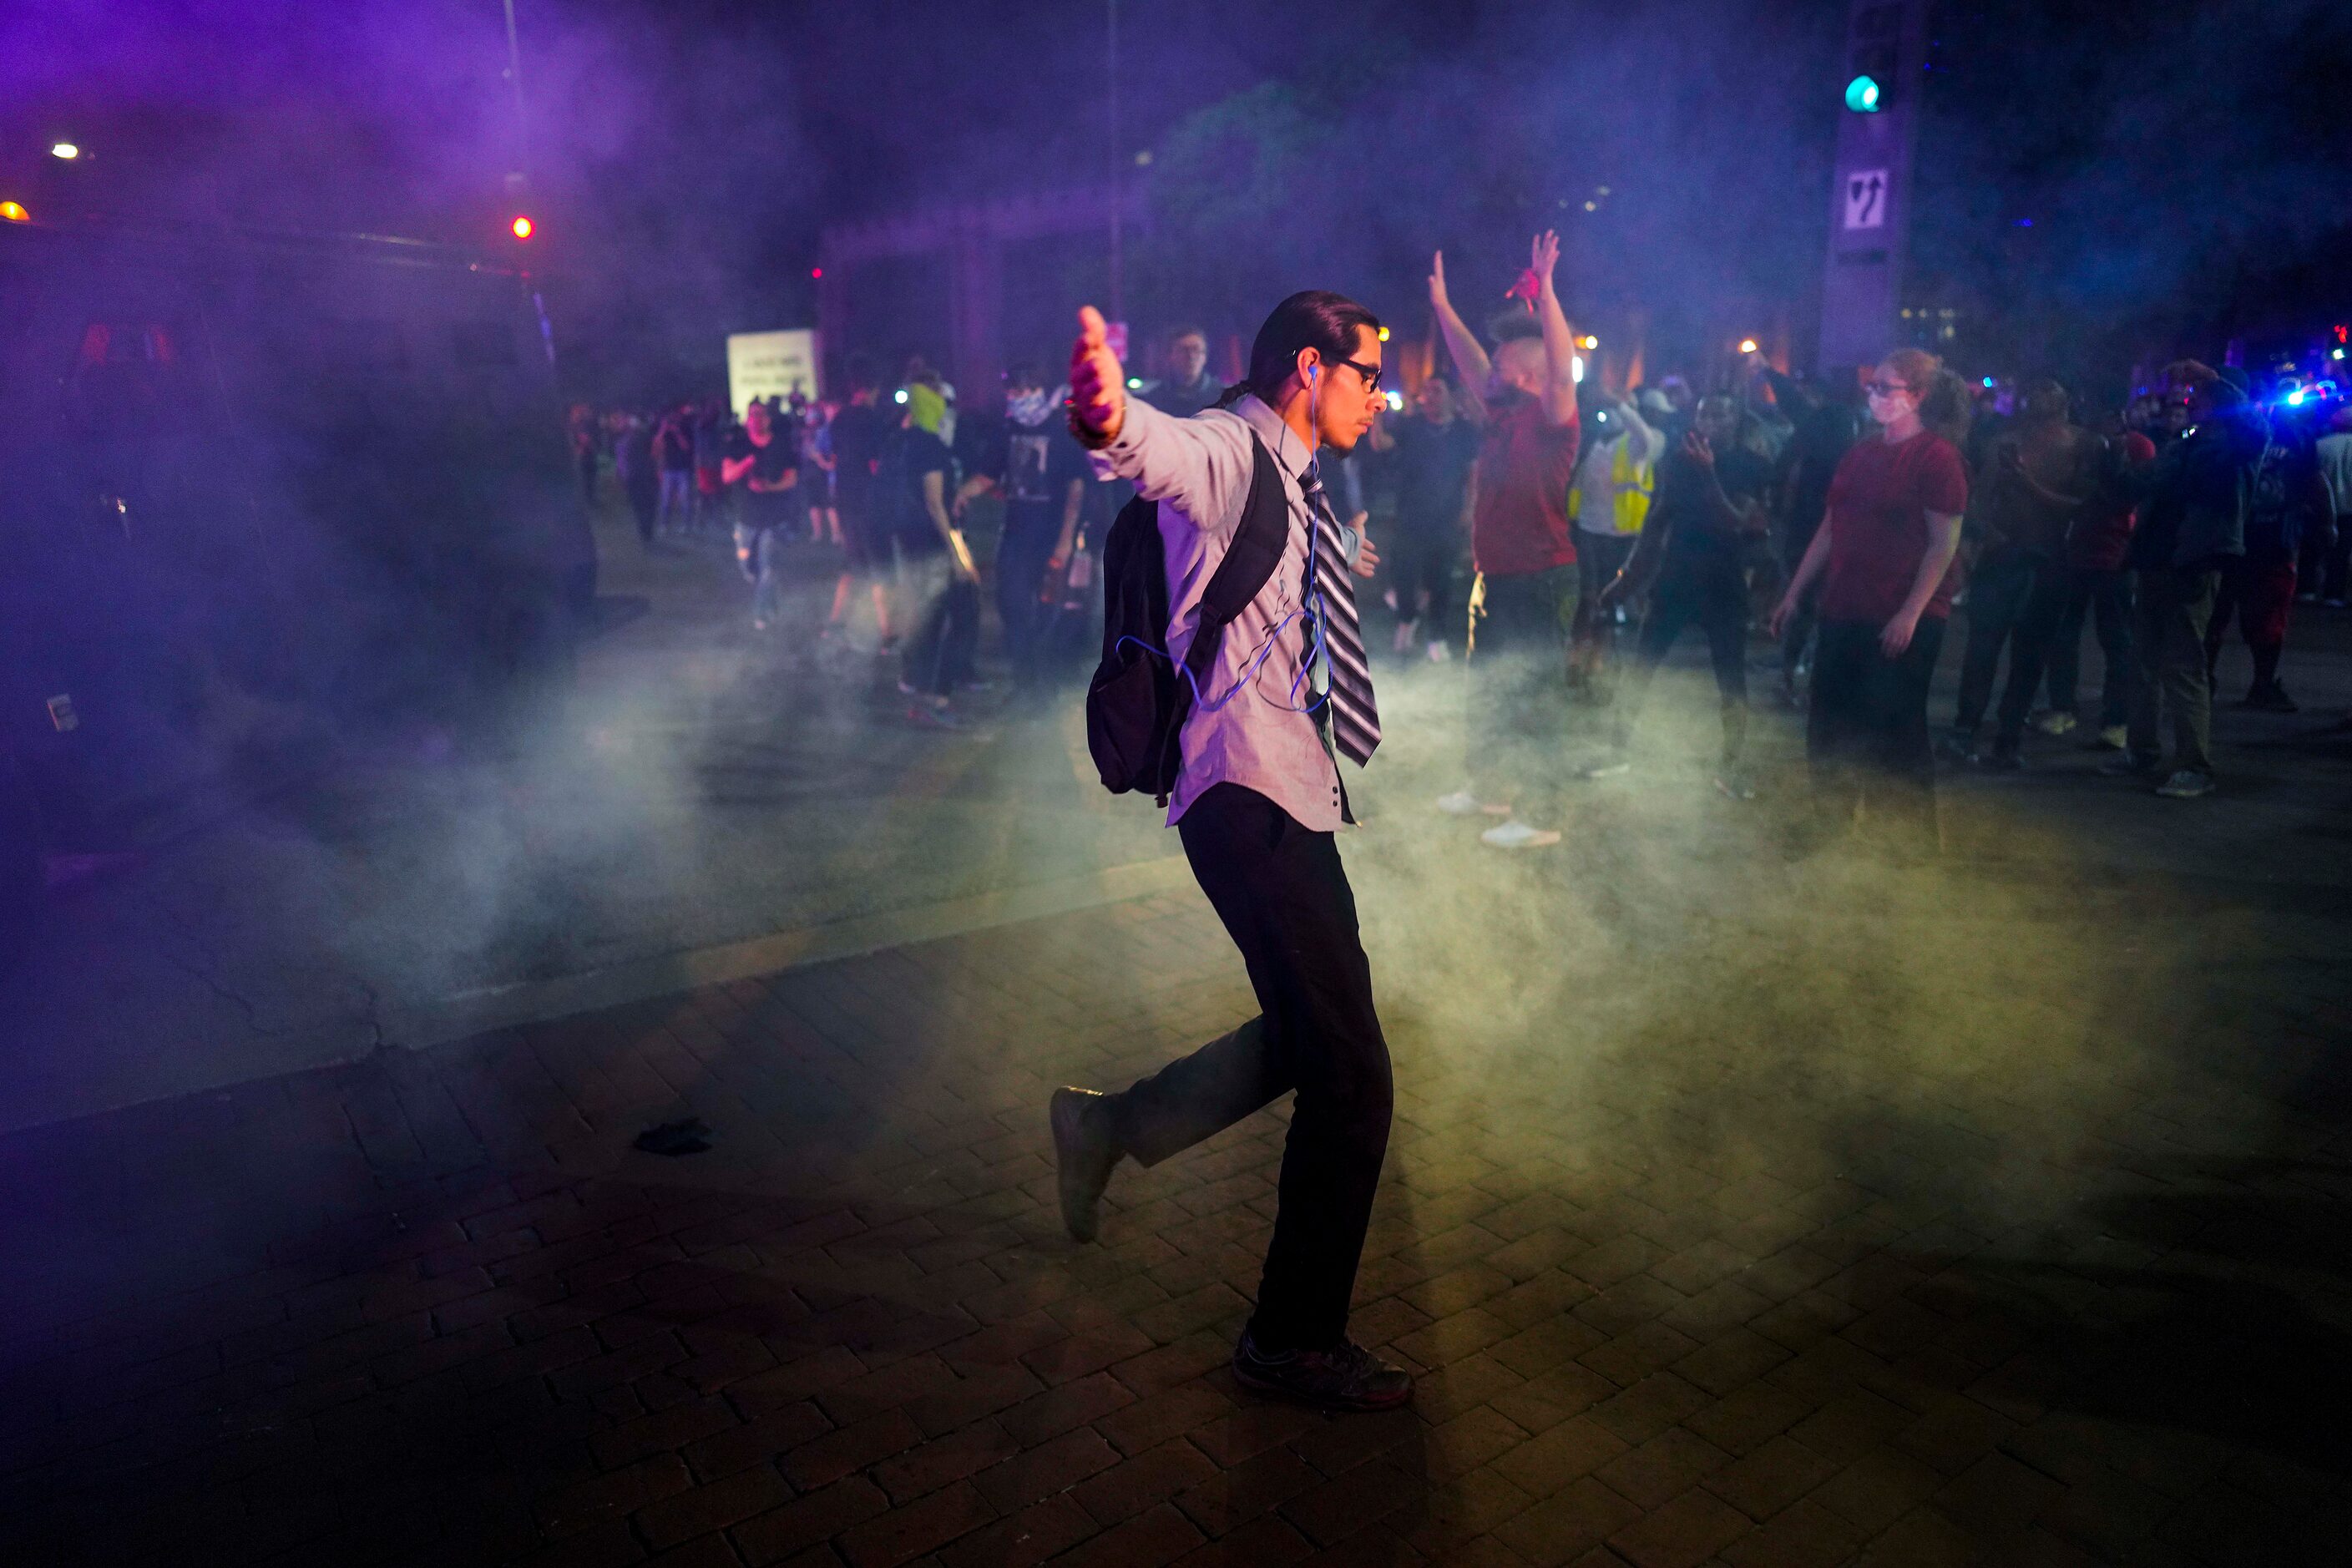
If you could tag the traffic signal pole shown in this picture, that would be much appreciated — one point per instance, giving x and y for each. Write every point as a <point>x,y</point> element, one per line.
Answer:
<point>1870,196</point>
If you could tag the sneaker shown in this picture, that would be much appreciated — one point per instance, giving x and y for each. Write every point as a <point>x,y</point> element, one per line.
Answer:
<point>1733,785</point>
<point>2054,721</point>
<point>2113,737</point>
<point>2002,759</point>
<point>1462,803</point>
<point>2336,603</point>
<point>1518,835</point>
<point>1439,653</point>
<point>1958,746</point>
<point>1346,1377</point>
<point>2271,699</point>
<point>1615,768</point>
<point>1084,1155</point>
<point>2131,767</point>
<point>2188,784</point>
<point>1404,641</point>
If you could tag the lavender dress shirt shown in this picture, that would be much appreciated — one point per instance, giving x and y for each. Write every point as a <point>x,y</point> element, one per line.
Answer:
<point>1199,470</point>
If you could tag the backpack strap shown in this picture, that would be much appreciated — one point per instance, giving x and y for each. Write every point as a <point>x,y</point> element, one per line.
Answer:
<point>1259,538</point>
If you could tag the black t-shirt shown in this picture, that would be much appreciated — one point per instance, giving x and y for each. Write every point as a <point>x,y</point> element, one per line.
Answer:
<point>1697,539</point>
<point>1039,462</point>
<point>1431,463</point>
<point>770,465</point>
<point>858,431</point>
<point>1182,401</point>
<point>908,455</point>
<point>1811,456</point>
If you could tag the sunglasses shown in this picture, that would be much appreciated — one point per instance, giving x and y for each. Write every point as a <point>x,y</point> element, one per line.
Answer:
<point>1884,388</point>
<point>1370,372</point>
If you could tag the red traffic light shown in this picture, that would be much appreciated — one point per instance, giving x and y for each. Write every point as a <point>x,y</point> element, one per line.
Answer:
<point>521,227</point>
<point>816,271</point>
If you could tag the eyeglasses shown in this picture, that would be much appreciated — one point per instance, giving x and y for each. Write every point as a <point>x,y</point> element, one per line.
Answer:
<point>1370,372</point>
<point>1884,388</point>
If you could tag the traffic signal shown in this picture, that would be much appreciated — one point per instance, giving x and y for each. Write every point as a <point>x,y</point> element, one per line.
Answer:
<point>1863,93</point>
<point>522,227</point>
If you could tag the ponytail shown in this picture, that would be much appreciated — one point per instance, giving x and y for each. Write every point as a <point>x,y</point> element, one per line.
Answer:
<point>1945,405</point>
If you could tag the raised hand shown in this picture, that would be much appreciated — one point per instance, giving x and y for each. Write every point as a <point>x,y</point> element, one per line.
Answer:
<point>1437,295</point>
<point>1544,255</point>
<point>1097,381</point>
<point>1696,447</point>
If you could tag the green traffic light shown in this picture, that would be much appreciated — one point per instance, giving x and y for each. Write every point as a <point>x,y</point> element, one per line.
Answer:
<point>1862,95</point>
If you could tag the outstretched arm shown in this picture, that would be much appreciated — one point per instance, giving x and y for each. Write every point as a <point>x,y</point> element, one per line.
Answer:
<point>1559,343</point>
<point>1469,360</point>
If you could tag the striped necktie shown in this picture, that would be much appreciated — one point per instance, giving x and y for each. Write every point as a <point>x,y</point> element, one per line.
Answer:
<point>1355,719</point>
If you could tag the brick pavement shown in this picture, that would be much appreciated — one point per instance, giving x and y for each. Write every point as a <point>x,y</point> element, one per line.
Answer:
<point>1809,1215</point>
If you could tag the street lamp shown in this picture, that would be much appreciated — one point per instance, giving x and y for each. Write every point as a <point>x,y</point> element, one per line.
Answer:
<point>14,212</point>
<point>65,150</point>
<point>1748,345</point>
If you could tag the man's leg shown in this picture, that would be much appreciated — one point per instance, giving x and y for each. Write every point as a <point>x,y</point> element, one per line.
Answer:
<point>924,666</point>
<point>1673,607</point>
<point>2265,603</point>
<point>2063,661</point>
<point>2111,618</point>
<point>1835,726</point>
<point>1284,898</point>
<point>1997,591</point>
<point>2188,607</point>
<point>2152,598</point>
<point>1021,557</point>
<point>2037,627</point>
<point>1722,612</point>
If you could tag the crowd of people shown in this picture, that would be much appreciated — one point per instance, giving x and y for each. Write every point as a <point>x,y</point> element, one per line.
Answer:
<point>1563,537</point>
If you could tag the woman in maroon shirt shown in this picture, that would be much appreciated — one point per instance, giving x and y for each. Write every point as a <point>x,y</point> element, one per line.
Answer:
<point>1883,555</point>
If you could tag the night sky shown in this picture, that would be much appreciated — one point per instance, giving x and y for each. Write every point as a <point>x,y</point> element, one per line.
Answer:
<point>2175,183</point>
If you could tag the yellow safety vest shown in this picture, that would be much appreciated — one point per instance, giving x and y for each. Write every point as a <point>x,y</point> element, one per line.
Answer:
<point>1634,482</point>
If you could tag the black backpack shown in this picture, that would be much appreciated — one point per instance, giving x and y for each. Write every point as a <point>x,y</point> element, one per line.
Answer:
<point>1139,699</point>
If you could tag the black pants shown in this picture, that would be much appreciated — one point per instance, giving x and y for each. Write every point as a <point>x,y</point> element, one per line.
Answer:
<point>940,655</point>
<point>2039,620</point>
<point>1519,661</point>
<point>1285,899</point>
<point>1716,600</point>
<point>2103,596</point>
<point>1022,552</point>
<point>1999,589</point>
<point>1424,562</point>
<point>1866,737</point>
<point>2171,608</point>
<point>643,496</point>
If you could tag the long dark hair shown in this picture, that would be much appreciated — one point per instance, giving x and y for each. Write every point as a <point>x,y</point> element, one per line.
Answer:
<point>1311,319</point>
<point>1944,402</point>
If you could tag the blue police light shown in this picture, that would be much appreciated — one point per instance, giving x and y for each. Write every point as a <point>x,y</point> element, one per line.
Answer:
<point>1862,95</point>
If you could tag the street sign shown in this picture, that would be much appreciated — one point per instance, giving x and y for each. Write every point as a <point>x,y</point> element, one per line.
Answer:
<point>1865,198</point>
<point>771,364</point>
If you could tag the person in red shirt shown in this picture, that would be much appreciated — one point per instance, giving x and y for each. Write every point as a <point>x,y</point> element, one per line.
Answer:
<point>1521,541</point>
<point>1883,558</point>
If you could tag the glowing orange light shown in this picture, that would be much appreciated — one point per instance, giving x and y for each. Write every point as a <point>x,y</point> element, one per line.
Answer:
<point>15,211</point>
<point>521,227</point>
<point>1748,345</point>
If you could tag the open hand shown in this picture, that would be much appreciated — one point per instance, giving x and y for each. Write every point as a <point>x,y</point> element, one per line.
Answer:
<point>1777,621</point>
<point>1097,381</point>
<point>1544,255</point>
<point>1696,447</point>
<point>1437,296</point>
<point>1367,560</point>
